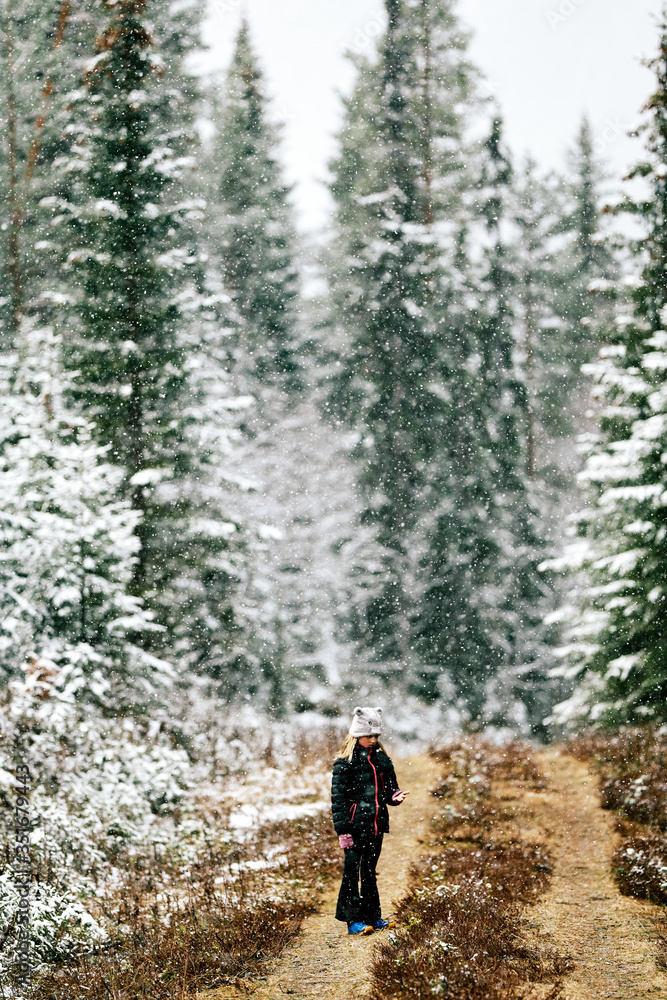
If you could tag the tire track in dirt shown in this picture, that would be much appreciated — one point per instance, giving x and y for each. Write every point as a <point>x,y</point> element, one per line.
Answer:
<point>323,962</point>
<point>609,936</point>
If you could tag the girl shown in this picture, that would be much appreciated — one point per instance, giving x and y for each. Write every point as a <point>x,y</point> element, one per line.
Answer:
<point>362,786</point>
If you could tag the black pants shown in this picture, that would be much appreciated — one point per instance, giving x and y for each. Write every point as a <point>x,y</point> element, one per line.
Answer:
<point>360,862</point>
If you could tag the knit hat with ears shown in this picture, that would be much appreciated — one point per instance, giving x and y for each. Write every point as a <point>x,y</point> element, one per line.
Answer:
<point>366,722</point>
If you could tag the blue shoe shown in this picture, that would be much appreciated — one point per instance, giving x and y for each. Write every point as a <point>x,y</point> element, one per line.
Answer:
<point>381,925</point>
<point>359,928</point>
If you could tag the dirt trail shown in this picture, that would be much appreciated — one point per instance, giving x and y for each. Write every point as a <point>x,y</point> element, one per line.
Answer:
<point>323,961</point>
<point>609,936</point>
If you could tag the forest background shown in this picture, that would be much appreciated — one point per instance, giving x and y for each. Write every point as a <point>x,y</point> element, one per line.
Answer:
<point>250,480</point>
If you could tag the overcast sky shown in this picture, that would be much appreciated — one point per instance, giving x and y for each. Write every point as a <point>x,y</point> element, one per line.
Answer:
<point>547,62</point>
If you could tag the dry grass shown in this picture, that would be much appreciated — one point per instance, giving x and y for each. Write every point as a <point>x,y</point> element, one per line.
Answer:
<point>310,748</point>
<point>462,932</point>
<point>632,767</point>
<point>178,933</point>
<point>200,910</point>
<point>640,868</point>
<point>633,772</point>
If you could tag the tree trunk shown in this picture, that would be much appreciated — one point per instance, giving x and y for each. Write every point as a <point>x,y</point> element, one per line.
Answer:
<point>530,376</point>
<point>15,207</point>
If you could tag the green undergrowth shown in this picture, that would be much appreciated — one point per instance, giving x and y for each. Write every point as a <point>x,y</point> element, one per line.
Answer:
<point>463,933</point>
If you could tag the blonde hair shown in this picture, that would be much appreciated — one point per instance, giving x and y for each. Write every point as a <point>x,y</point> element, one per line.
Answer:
<point>347,749</point>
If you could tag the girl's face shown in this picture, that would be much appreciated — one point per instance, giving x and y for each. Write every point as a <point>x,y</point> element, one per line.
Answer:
<point>368,741</point>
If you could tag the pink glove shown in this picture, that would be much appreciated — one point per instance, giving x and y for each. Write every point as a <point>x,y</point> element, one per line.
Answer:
<point>346,840</point>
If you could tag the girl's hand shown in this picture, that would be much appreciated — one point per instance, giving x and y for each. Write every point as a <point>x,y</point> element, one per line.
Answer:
<point>398,797</point>
<point>346,840</point>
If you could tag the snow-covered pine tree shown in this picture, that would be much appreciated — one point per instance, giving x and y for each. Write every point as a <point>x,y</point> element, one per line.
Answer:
<point>618,647</point>
<point>252,244</point>
<point>536,213</point>
<point>40,63</point>
<point>353,174</point>
<point>145,331</point>
<point>127,265</point>
<point>577,280</point>
<point>397,184</point>
<point>521,641</point>
<point>481,593</point>
<point>81,703</point>
<point>587,265</point>
<point>454,627</point>
<point>501,384</point>
<point>254,235</point>
<point>68,546</point>
<point>123,218</point>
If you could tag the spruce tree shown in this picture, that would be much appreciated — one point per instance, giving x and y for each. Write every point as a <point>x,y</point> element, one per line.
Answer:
<point>504,394</point>
<point>618,648</point>
<point>521,644</point>
<point>145,334</point>
<point>254,235</point>
<point>129,257</point>
<point>563,266</point>
<point>547,367</point>
<point>582,294</point>
<point>480,591</point>
<point>454,626</point>
<point>401,163</point>
<point>252,241</point>
<point>69,543</point>
<point>590,259</point>
<point>40,64</point>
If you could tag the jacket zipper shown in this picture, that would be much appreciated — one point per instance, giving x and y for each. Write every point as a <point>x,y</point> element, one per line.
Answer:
<point>353,810</point>
<point>376,793</point>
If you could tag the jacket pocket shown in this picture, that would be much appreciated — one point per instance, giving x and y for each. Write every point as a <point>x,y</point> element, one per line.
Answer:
<point>353,810</point>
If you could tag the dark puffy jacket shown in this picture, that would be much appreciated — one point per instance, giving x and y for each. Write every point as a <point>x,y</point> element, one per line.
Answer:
<point>361,790</point>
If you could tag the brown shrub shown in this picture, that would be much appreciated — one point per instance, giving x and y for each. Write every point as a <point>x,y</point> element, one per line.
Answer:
<point>633,771</point>
<point>462,935</point>
<point>200,949</point>
<point>472,811</point>
<point>509,762</point>
<point>177,936</point>
<point>640,868</point>
<point>516,871</point>
<point>466,761</point>
<point>465,943</point>
<point>315,746</point>
<point>514,762</point>
<point>632,765</point>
